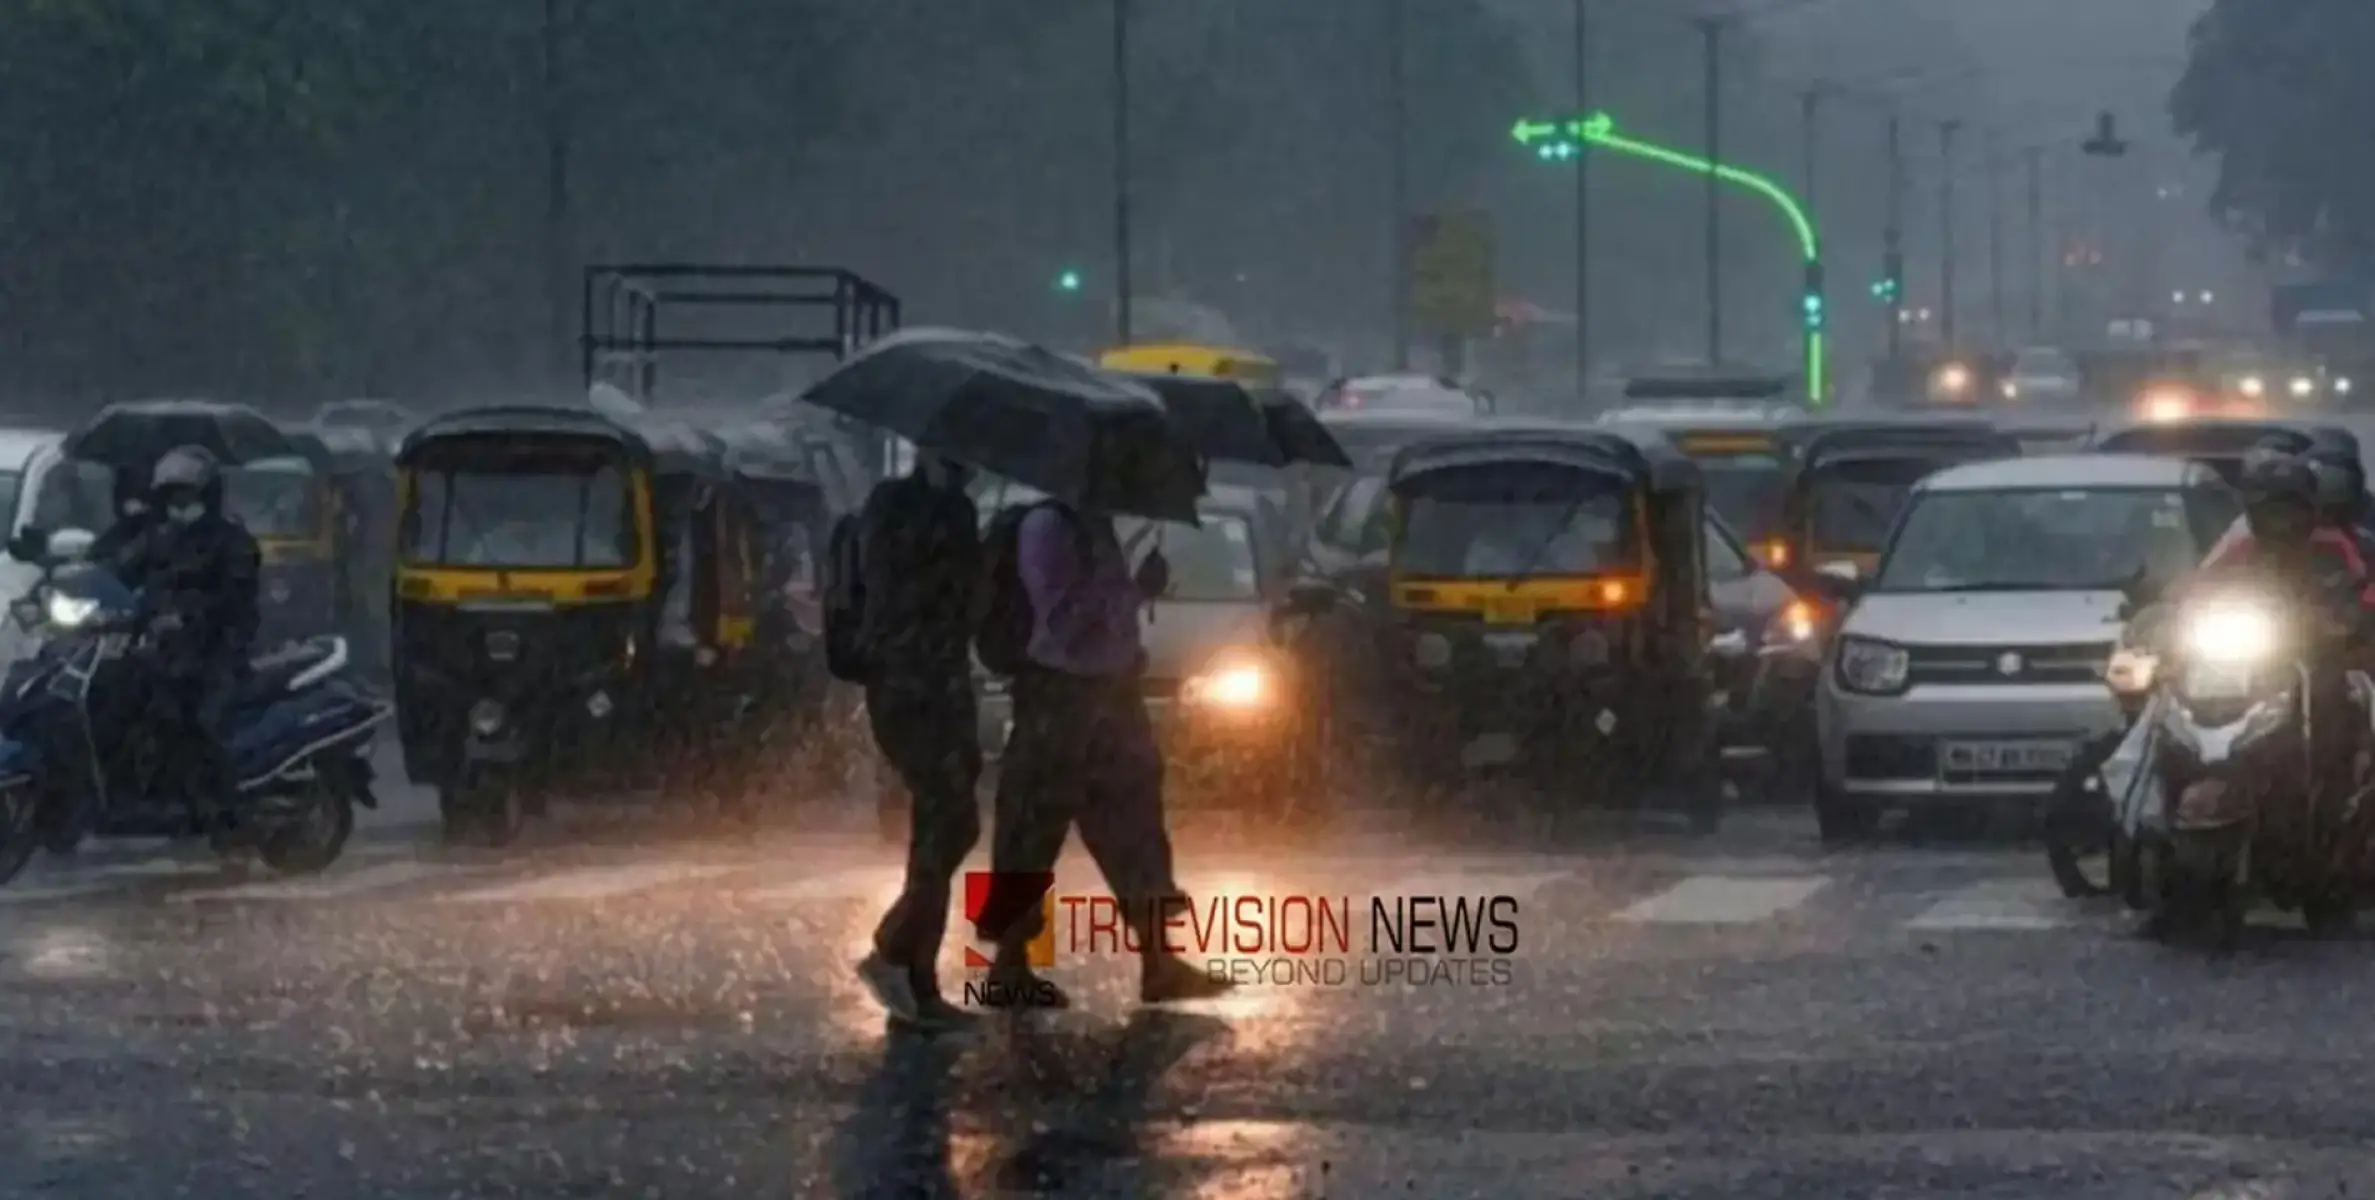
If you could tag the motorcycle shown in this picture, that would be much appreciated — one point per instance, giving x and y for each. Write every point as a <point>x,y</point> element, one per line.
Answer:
<point>78,717</point>
<point>2087,847</point>
<point>2231,806</point>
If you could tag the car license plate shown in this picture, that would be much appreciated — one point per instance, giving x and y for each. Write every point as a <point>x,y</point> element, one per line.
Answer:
<point>2002,758</point>
<point>2217,681</point>
<point>1512,611</point>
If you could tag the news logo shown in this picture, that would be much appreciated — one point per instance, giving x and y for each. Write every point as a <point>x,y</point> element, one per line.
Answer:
<point>1040,951</point>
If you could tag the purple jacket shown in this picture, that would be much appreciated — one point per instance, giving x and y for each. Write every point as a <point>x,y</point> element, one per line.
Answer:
<point>1087,611</point>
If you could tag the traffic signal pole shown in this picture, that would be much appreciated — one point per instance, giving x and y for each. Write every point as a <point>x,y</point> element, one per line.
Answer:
<point>1583,206</point>
<point>1712,31</point>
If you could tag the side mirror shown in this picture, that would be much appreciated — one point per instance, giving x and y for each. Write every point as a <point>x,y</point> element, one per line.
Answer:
<point>68,545</point>
<point>1731,643</point>
<point>1845,572</point>
<point>30,545</point>
<point>1310,598</point>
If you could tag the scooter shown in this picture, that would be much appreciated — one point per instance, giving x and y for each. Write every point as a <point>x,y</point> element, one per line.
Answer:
<point>2233,809</point>
<point>77,720</point>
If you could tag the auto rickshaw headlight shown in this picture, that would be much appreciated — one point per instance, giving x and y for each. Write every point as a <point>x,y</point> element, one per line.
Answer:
<point>1432,651</point>
<point>1237,684</point>
<point>486,718</point>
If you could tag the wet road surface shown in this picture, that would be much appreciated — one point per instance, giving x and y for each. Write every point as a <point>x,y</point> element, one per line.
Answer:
<point>1741,1016</point>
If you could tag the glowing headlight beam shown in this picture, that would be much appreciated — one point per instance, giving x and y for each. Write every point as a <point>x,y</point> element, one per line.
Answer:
<point>70,611</point>
<point>2235,633</point>
<point>1245,685</point>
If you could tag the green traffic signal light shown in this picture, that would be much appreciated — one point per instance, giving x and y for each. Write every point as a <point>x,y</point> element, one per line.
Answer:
<point>1068,281</point>
<point>1812,307</point>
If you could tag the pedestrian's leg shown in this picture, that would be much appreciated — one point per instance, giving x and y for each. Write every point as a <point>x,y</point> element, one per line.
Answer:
<point>1039,786</point>
<point>1122,823</point>
<point>927,734</point>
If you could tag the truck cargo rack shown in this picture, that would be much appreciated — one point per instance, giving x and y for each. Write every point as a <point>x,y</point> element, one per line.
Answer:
<point>623,338</point>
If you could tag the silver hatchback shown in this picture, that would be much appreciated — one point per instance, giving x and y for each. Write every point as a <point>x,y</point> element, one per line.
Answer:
<point>1969,667</point>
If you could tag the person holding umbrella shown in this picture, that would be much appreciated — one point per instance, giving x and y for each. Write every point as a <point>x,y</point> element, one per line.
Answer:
<point>919,561</point>
<point>1061,613</point>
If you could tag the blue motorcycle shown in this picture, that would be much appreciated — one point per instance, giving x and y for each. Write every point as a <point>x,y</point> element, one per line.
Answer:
<point>80,750</point>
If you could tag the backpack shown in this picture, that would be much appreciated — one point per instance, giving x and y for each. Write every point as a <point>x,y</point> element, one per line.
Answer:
<point>1002,640</point>
<point>845,603</point>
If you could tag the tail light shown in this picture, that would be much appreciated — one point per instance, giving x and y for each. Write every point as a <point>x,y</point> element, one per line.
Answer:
<point>1775,552</point>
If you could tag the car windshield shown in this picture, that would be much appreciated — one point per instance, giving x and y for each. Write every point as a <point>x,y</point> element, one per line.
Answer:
<point>1505,520</point>
<point>1405,395</point>
<point>1212,563</point>
<point>274,500</point>
<point>2079,539</point>
<point>1852,505</point>
<point>73,494</point>
<point>1745,490</point>
<point>529,519</point>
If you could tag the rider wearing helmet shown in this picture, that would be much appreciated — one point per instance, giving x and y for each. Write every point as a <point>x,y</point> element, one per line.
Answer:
<point>199,575</point>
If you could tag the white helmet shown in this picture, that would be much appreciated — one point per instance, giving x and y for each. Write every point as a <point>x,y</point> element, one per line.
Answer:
<point>191,467</point>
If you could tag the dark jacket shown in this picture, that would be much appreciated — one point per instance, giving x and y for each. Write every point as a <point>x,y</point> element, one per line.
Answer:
<point>207,573</point>
<point>118,548</point>
<point>919,554</point>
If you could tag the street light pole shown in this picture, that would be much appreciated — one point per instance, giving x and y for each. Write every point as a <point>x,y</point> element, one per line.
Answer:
<point>1121,171</point>
<point>1946,280</point>
<point>560,242</point>
<point>1995,240</point>
<point>2036,164</point>
<point>1583,204</point>
<point>1893,238</point>
<point>1711,32</point>
<point>1398,112</point>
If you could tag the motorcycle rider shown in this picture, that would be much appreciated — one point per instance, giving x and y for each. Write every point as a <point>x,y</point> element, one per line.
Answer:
<point>199,577</point>
<point>118,547</point>
<point>2344,504</point>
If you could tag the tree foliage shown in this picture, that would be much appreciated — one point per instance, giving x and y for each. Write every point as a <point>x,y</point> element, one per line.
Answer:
<point>2279,93</point>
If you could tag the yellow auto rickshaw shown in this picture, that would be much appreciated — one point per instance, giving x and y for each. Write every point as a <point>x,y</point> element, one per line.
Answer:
<point>290,509</point>
<point>1549,606</point>
<point>1849,480</point>
<point>571,603</point>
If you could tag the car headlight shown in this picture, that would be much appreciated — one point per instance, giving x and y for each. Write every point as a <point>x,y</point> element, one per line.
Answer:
<point>2167,404</point>
<point>2010,389</point>
<point>1871,667</point>
<point>1953,379</point>
<point>2230,633</point>
<point>69,611</point>
<point>2254,386</point>
<point>1241,686</point>
<point>2302,385</point>
<point>2342,385</point>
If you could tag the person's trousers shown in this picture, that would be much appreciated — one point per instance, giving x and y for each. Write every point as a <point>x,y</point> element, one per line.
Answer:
<point>1083,749</point>
<point>927,729</point>
<point>201,703</point>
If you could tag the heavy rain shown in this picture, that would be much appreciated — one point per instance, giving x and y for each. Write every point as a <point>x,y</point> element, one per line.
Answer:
<point>1627,598</point>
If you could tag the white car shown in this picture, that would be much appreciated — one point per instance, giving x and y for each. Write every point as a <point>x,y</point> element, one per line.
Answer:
<point>2041,373</point>
<point>1969,667</point>
<point>27,456</point>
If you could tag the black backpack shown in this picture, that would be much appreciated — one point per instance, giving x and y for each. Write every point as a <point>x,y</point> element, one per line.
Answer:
<point>845,603</point>
<point>1003,639</point>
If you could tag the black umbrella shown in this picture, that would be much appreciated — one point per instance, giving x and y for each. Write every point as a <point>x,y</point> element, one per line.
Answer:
<point>1227,423</point>
<point>1025,412</point>
<point>134,436</point>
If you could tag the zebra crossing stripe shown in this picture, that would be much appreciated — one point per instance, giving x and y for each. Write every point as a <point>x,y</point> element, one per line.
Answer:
<point>327,887</point>
<point>2007,904</point>
<point>590,883</point>
<point>1723,900</point>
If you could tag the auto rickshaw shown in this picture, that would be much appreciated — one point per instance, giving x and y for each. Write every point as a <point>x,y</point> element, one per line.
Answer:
<point>1743,456</point>
<point>2219,445</point>
<point>795,484</point>
<point>1188,358</point>
<point>572,609</point>
<point>1550,606</point>
<point>289,507</point>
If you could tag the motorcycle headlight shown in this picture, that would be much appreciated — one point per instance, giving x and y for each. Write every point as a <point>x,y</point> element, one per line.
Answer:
<point>2302,385</point>
<point>67,611</point>
<point>2230,633</point>
<point>1871,667</point>
<point>1240,686</point>
<point>2342,385</point>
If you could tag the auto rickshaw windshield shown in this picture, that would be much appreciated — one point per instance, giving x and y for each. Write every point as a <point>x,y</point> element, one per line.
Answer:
<point>1745,490</point>
<point>274,500</point>
<point>1852,505</point>
<point>555,512</point>
<point>1516,519</point>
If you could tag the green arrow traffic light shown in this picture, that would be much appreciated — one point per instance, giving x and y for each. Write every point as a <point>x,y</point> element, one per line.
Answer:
<point>1068,281</point>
